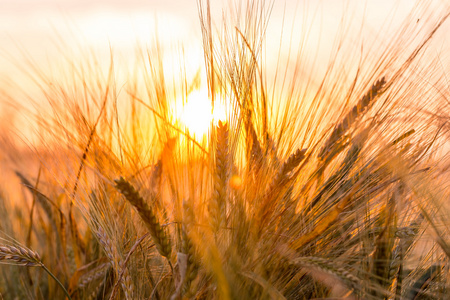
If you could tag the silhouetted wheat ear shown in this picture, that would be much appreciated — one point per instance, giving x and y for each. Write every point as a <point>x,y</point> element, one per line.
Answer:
<point>159,236</point>
<point>41,199</point>
<point>217,207</point>
<point>19,256</point>
<point>367,100</point>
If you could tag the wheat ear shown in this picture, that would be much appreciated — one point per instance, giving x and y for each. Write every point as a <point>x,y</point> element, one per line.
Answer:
<point>93,275</point>
<point>384,243</point>
<point>277,184</point>
<point>116,262</point>
<point>159,236</point>
<point>329,267</point>
<point>21,256</point>
<point>351,116</point>
<point>217,207</point>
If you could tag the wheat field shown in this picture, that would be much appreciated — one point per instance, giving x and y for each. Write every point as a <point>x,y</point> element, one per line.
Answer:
<point>333,186</point>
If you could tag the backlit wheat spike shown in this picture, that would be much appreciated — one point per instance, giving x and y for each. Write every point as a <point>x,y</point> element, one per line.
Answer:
<point>291,163</point>
<point>403,136</point>
<point>218,201</point>
<point>407,236</point>
<point>159,236</point>
<point>107,245</point>
<point>156,176</point>
<point>277,185</point>
<point>41,198</point>
<point>348,162</point>
<point>406,232</point>
<point>351,116</point>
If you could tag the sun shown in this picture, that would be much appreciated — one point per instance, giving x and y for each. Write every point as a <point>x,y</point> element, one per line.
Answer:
<point>196,115</point>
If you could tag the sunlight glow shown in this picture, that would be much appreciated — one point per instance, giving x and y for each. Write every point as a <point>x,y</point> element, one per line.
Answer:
<point>197,114</point>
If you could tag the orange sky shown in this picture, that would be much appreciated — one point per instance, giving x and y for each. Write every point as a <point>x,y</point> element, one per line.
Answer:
<point>31,24</point>
<point>33,27</point>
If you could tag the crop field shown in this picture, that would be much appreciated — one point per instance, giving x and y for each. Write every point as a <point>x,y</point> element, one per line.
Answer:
<point>255,176</point>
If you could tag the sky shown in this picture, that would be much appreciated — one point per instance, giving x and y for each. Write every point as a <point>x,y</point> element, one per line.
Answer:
<point>36,29</point>
<point>35,25</point>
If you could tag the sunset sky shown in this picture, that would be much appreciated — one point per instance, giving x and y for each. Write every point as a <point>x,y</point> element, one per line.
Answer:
<point>34,25</point>
<point>37,28</point>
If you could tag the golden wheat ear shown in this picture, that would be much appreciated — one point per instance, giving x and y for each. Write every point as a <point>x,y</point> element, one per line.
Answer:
<point>21,256</point>
<point>328,268</point>
<point>362,106</point>
<point>277,187</point>
<point>218,205</point>
<point>159,236</point>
